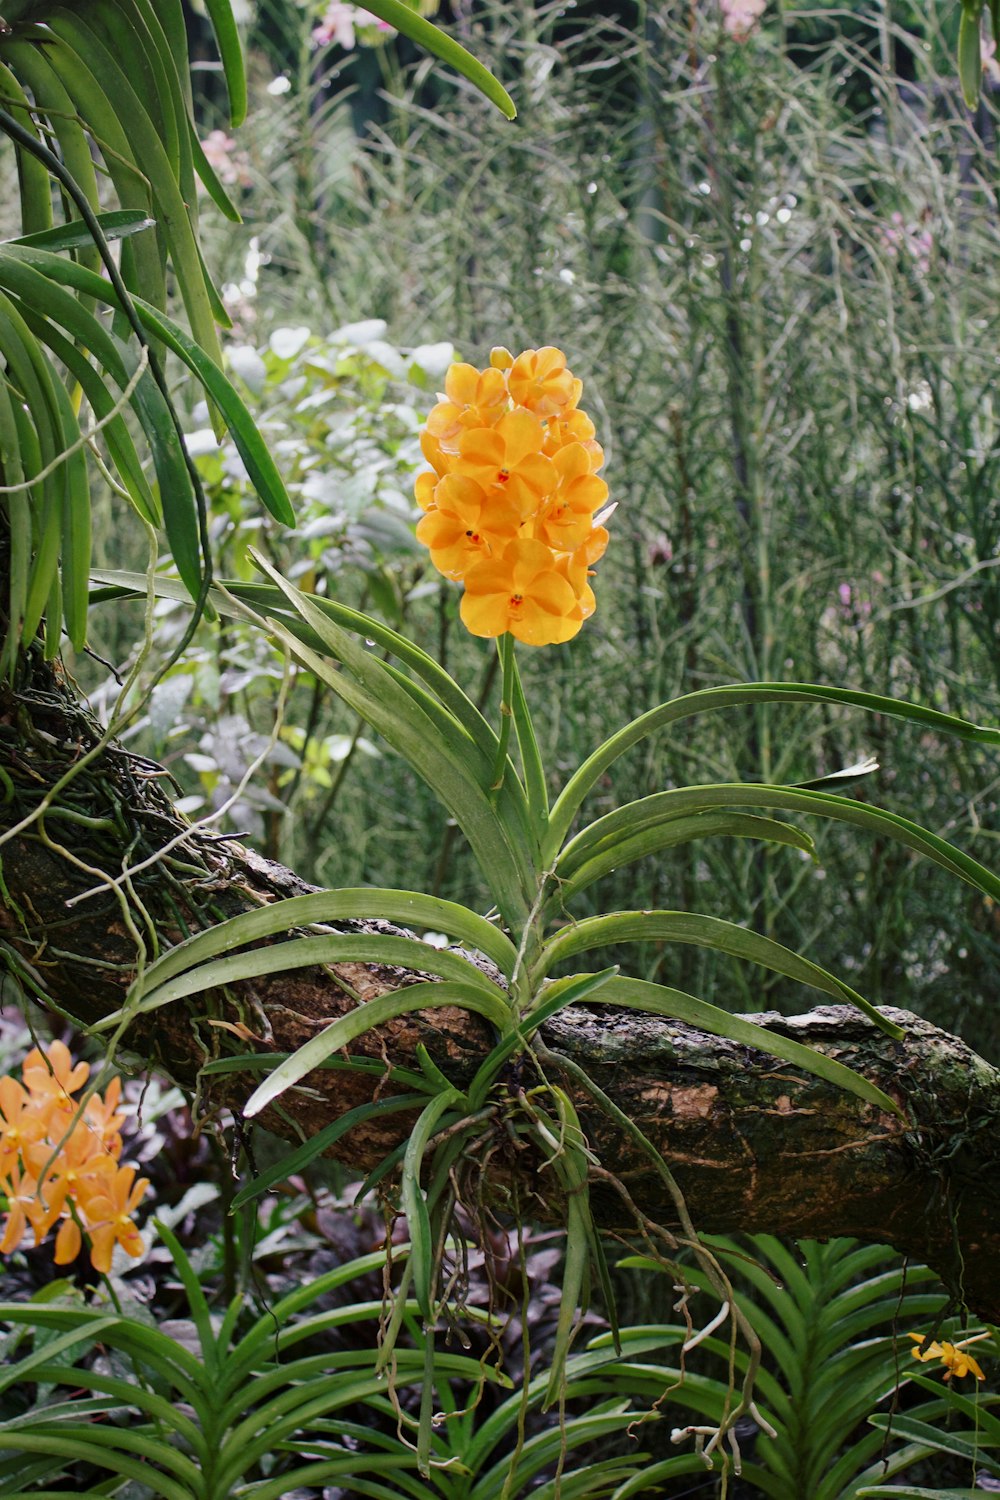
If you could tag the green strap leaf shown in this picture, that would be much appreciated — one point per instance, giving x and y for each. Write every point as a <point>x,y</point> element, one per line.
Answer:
<point>43,295</point>
<point>172,212</point>
<point>667,835</point>
<point>268,599</point>
<point>340,1033</point>
<point>710,700</point>
<point>705,932</point>
<point>436,41</point>
<point>211,182</point>
<point>970,54</point>
<point>227,39</point>
<point>17,507</point>
<point>23,1370</point>
<point>74,145</point>
<point>330,907</point>
<point>141,264</point>
<point>572,1168</point>
<point>415,1204</point>
<point>39,426</point>
<point>289,1165</point>
<point>495,833</point>
<point>75,234</point>
<point>658,999</point>
<point>33,180</point>
<point>249,443</point>
<point>114,432</point>
<point>647,813</point>
<point>306,952</point>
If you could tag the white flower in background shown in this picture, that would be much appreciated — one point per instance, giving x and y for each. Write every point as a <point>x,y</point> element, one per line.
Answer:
<point>340,22</point>
<point>740,16</point>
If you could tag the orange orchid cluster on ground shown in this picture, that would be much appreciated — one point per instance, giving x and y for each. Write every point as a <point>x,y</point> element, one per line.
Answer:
<point>512,498</point>
<point>60,1163</point>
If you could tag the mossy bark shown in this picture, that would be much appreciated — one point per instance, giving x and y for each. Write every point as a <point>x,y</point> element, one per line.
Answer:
<point>753,1143</point>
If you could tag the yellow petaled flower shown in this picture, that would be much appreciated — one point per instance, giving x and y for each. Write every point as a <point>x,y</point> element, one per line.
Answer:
<point>59,1162</point>
<point>472,399</point>
<point>466,525</point>
<point>566,520</point>
<point>109,1218</point>
<point>511,496</point>
<point>508,458</point>
<point>521,592</point>
<point>952,1356</point>
<point>539,380</point>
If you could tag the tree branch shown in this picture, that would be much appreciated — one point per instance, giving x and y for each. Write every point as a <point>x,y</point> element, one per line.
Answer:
<point>753,1143</point>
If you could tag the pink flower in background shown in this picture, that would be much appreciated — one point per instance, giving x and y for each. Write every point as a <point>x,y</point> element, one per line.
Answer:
<point>740,16</point>
<point>232,167</point>
<point>340,22</point>
<point>912,240</point>
<point>853,606</point>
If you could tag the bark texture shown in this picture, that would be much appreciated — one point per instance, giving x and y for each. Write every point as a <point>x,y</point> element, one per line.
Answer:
<point>754,1144</point>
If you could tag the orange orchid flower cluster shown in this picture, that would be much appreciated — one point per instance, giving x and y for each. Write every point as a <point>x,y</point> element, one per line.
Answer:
<point>512,500</point>
<point>60,1163</point>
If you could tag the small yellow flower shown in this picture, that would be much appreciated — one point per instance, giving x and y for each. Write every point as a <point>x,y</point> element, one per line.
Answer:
<point>952,1356</point>
<point>566,518</point>
<point>521,592</point>
<point>539,380</point>
<point>472,399</point>
<point>465,525</point>
<point>508,458</point>
<point>109,1219</point>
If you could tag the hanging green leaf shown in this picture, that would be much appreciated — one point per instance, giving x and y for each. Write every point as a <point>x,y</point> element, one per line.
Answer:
<point>636,818</point>
<point>330,907</point>
<point>432,39</point>
<point>75,234</point>
<point>970,52</point>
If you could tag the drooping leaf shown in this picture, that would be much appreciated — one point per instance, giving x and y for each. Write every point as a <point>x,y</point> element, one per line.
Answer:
<point>249,443</point>
<point>711,700</point>
<point>636,818</point>
<point>441,45</point>
<point>640,994</point>
<point>706,932</point>
<point>75,235</point>
<point>331,907</point>
<point>340,1033</point>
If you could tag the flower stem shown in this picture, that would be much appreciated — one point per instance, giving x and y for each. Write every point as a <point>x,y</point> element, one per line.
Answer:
<point>505,647</point>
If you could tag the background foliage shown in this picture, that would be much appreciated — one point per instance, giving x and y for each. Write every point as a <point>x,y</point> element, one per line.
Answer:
<point>770,257</point>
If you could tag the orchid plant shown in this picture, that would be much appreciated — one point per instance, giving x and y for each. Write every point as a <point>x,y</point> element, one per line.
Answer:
<point>514,510</point>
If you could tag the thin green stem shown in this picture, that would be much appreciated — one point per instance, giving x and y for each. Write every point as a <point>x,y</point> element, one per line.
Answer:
<point>505,646</point>
<point>535,785</point>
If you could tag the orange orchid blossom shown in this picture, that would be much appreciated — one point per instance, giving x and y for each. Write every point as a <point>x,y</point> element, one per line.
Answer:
<point>522,592</point>
<point>512,502</point>
<point>59,1161</point>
